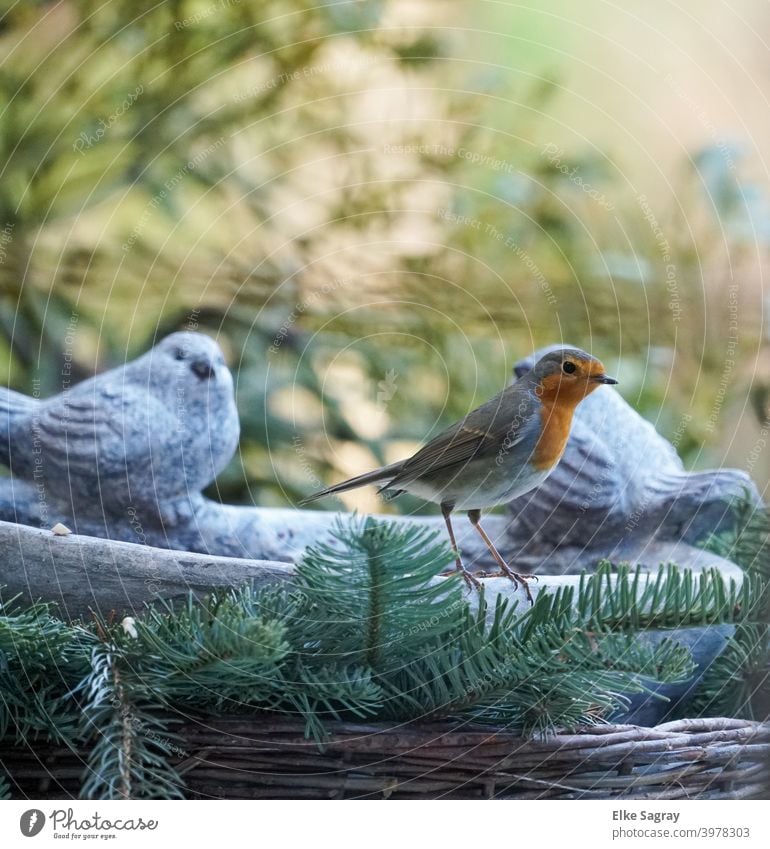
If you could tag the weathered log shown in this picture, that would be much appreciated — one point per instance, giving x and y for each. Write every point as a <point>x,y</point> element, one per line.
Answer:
<point>79,573</point>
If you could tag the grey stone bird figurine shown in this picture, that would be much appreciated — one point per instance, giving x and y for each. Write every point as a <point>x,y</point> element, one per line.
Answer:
<point>137,440</point>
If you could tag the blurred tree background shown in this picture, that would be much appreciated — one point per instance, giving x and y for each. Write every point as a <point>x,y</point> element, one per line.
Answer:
<point>378,206</point>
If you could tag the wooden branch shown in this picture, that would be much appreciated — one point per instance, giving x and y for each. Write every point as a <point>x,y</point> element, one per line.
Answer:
<point>81,573</point>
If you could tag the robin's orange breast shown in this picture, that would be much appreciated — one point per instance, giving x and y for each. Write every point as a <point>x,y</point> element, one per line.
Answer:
<point>557,405</point>
<point>555,423</point>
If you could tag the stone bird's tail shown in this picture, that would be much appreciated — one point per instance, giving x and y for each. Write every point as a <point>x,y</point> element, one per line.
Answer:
<point>15,413</point>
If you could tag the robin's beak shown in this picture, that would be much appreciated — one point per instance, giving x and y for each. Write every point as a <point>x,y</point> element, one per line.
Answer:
<point>603,378</point>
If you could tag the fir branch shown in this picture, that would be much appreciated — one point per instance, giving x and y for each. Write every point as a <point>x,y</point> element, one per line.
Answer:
<point>370,596</point>
<point>622,598</point>
<point>326,693</point>
<point>41,660</point>
<point>748,543</point>
<point>232,652</point>
<point>129,756</point>
<point>223,649</point>
<point>532,671</point>
<point>377,600</point>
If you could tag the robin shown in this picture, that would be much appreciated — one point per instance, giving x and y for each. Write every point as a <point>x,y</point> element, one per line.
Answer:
<point>498,452</point>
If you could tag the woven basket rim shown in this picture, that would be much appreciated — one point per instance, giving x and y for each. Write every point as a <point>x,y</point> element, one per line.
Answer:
<point>269,756</point>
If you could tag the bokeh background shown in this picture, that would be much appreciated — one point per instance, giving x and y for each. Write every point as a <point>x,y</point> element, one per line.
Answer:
<point>377,207</point>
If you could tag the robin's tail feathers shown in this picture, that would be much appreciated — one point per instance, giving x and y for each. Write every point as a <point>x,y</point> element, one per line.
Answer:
<point>381,476</point>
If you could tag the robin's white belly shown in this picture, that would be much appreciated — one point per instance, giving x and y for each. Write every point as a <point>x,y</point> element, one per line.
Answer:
<point>474,491</point>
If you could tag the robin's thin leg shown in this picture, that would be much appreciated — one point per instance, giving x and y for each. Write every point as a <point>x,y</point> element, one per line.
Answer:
<point>471,580</point>
<point>475,517</point>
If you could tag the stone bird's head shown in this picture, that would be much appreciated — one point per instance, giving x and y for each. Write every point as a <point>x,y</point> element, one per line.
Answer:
<point>188,372</point>
<point>192,361</point>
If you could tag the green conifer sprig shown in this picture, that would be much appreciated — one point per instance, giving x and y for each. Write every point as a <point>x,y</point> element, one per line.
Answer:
<point>525,670</point>
<point>371,598</point>
<point>41,660</point>
<point>131,742</point>
<point>242,649</point>
<point>737,683</point>
<point>225,645</point>
<point>625,598</point>
<point>747,543</point>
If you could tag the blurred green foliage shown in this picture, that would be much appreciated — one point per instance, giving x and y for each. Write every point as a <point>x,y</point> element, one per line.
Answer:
<point>374,232</point>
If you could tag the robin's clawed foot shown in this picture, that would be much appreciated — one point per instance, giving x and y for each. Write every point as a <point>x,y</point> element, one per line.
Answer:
<point>505,569</point>
<point>518,580</point>
<point>470,579</point>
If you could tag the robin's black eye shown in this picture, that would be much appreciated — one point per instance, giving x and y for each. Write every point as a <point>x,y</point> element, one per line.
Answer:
<point>568,367</point>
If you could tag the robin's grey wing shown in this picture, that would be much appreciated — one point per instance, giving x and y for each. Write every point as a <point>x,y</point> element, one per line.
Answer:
<point>496,426</point>
<point>101,425</point>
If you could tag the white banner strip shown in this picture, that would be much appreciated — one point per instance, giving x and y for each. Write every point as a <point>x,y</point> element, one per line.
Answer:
<point>392,824</point>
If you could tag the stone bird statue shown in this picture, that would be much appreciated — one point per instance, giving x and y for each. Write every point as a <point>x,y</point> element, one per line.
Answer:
<point>136,440</point>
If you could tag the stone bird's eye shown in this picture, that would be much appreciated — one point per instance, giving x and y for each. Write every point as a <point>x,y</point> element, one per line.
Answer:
<point>179,354</point>
<point>568,367</point>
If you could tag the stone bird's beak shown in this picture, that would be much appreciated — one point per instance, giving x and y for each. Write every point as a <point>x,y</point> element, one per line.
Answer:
<point>202,369</point>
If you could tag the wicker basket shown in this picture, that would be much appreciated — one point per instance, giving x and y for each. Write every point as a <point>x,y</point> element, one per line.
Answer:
<point>240,758</point>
